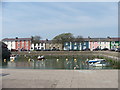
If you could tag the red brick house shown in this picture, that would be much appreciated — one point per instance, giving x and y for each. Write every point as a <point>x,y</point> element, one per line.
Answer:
<point>18,43</point>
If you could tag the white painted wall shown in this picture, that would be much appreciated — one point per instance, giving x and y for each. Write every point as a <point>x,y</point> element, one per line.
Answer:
<point>105,45</point>
<point>40,46</point>
<point>10,44</point>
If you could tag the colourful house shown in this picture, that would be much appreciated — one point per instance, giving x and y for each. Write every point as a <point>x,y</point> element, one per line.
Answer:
<point>99,43</point>
<point>18,43</point>
<point>76,46</point>
<point>115,43</point>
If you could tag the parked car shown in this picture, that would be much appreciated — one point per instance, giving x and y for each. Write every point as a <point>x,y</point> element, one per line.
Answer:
<point>112,49</point>
<point>23,50</point>
<point>54,49</point>
<point>87,49</point>
<point>38,50</point>
<point>97,49</point>
<point>117,49</point>
<point>14,50</point>
<point>47,50</point>
<point>105,49</point>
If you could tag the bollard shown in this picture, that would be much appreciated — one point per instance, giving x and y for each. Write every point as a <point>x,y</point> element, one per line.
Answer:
<point>75,60</point>
<point>4,60</point>
<point>12,60</point>
<point>66,59</point>
<point>57,60</point>
<point>28,60</point>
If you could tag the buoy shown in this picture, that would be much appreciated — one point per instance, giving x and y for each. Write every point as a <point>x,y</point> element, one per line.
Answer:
<point>57,60</point>
<point>66,59</point>
<point>4,60</point>
<point>74,67</point>
<point>28,60</point>
<point>12,60</point>
<point>75,60</point>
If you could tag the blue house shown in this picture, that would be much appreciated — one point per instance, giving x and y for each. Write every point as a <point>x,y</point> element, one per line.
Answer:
<point>76,45</point>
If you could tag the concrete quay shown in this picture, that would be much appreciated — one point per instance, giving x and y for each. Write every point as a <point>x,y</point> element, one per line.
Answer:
<point>36,78</point>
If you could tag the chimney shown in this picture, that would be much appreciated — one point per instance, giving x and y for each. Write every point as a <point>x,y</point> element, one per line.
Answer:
<point>16,38</point>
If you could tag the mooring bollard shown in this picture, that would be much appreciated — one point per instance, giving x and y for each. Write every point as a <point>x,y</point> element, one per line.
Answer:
<point>4,60</point>
<point>57,60</point>
<point>66,59</point>
<point>29,60</point>
<point>75,60</point>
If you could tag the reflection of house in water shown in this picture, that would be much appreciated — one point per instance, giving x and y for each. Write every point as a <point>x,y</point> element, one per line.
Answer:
<point>11,64</point>
<point>39,64</point>
<point>25,64</point>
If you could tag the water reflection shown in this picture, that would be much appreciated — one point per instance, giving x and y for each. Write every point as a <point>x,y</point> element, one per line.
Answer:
<point>59,63</point>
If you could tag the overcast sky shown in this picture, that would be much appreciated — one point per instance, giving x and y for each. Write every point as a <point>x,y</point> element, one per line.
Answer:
<point>48,19</point>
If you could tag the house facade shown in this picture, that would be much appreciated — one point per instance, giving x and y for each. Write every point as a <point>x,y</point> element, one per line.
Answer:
<point>50,45</point>
<point>115,43</point>
<point>99,43</point>
<point>10,42</point>
<point>41,45</point>
<point>76,45</point>
<point>18,43</point>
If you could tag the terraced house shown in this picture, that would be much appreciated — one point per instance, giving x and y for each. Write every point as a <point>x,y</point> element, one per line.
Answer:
<point>115,43</point>
<point>87,43</point>
<point>100,43</point>
<point>41,45</point>
<point>77,45</point>
<point>18,43</point>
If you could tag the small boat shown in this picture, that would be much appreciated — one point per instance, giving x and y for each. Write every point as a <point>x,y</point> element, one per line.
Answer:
<point>41,57</point>
<point>97,62</point>
<point>13,57</point>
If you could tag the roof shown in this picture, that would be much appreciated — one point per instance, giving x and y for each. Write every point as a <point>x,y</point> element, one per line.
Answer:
<point>13,39</point>
<point>50,41</point>
<point>99,39</point>
<point>115,39</point>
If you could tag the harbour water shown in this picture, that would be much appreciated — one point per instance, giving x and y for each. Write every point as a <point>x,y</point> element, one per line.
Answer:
<point>65,62</point>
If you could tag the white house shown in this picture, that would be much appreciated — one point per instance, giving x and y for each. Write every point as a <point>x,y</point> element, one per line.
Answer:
<point>10,43</point>
<point>41,45</point>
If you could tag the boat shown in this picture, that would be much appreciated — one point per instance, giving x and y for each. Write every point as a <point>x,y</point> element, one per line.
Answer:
<point>13,57</point>
<point>97,62</point>
<point>41,57</point>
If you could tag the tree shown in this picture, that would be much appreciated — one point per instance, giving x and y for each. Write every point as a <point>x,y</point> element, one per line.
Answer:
<point>35,39</point>
<point>5,53</point>
<point>79,39</point>
<point>62,38</point>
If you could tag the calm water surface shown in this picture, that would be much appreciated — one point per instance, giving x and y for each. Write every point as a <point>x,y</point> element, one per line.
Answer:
<point>50,63</point>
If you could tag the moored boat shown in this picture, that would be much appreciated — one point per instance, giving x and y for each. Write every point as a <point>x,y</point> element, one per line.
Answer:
<point>13,57</point>
<point>97,62</point>
<point>41,57</point>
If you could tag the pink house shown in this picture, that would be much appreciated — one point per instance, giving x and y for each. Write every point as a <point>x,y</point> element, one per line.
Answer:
<point>94,44</point>
<point>99,43</point>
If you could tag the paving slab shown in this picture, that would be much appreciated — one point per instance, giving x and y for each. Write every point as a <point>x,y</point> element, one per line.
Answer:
<point>36,78</point>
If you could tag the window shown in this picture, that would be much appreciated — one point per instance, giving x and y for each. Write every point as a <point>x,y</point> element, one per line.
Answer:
<point>84,43</point>
<point>66,43</point>
<point>42,48</point>
<point>75,47</point>
<point>75,43</point>
<point>41,44</point>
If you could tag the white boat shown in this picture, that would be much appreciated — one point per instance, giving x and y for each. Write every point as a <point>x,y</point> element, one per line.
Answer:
<point>13,57</point>
<point>40,57</point>
<point>97,62</point>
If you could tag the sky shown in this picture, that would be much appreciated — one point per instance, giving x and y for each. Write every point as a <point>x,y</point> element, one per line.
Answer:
<point>48,19</point>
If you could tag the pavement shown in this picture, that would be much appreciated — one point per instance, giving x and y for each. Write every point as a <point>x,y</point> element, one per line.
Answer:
<point>37,78</point>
